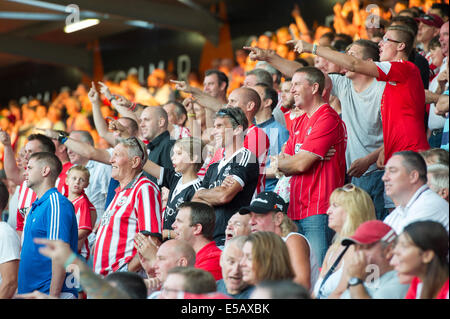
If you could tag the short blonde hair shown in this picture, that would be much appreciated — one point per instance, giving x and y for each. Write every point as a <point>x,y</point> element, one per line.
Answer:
<point>80,168</point>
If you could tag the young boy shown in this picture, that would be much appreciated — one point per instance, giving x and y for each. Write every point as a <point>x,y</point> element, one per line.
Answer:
<point>77,180</point>
<point>182,181</point>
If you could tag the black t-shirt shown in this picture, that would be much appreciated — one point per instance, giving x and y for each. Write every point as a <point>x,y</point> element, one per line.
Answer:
<point>160,148</point>
<point>178,194</point>
<point>244,166</point>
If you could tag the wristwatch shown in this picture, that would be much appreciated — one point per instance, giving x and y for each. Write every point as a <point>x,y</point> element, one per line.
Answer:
<point>354,281</point>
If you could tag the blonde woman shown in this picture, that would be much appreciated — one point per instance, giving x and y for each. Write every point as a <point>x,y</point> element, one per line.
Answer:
<point>266,257</point>
<point>350,206</point>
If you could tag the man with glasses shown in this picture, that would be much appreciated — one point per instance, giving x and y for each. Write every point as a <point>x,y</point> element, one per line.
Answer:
<point>371,275</point>
<point>135,207</point>
<point>229,183</point>
<point>402,104</point>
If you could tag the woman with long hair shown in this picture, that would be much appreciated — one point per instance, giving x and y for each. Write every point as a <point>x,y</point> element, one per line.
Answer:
<point>349,207</point>
<point>422,252</point>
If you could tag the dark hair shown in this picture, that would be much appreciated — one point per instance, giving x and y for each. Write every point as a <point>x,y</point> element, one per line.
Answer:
<point>130,283</point>
<point>284,289</point>
<point>270,93</point>
<point>413,161</point>
<point>47,144</point>
<point>430,235</point>
<point>222,77</point>
<point>261,76</point>
<point>302,62</point>
<point>235,115</point>
<point>196,280</point>
<point>329,35</point>
<point>4,196</point>
<point>46,158</point>
<point>202,214</point>
<point>434,43</point>
<point>179,109</point>
<point>406,35</point>
<point>408,21</point>
<point>313,75</point>
<point>370,49</point>
<point>442,7</point>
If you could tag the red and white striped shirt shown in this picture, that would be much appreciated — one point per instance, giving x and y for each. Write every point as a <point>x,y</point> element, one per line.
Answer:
<point>134,208</point>
<point>26,197</point>
<point>311,190</point>
<point>60,183</point>
<point>179,132</point>
<point>256,141</point>
<point>86,217</point>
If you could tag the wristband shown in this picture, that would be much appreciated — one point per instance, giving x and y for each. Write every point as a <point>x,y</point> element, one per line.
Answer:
<point>63,140</point>
<point>112,98</point>
<point>70,260</point>
<point>168,234</point>
<point>314,49</point>
<point>61,136</point>
<point>191,114</point>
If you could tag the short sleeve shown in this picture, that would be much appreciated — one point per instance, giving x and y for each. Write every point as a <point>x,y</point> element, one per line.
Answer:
<point>61,219</point>
<point>85,212</point>
<point>393,71</point>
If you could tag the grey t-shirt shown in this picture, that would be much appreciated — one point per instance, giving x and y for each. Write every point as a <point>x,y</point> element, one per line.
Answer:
<point>362,117</point>
<point>386,287</point>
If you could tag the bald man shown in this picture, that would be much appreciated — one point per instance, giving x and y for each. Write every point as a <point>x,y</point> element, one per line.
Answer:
<point>153,125</point>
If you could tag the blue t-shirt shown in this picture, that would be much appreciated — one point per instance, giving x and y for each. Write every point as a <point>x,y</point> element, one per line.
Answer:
<point>278,135</point>
<point>52,217</point>
<point>445,132</point>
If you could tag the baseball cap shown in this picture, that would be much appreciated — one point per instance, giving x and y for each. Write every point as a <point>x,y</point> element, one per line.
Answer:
<point>431,19</point>
<point>370,232</point>
<point>265,202</point>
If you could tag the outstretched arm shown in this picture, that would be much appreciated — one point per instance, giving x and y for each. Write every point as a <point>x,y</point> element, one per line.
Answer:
<point>82,148</point>
<point>200,97</point>
<point>94,285</point>
<point>346,61</point>
<point>285,66</point>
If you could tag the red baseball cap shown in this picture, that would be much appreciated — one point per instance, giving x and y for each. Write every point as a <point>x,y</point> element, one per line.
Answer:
<point>431,19</point>
<point>370,232</point>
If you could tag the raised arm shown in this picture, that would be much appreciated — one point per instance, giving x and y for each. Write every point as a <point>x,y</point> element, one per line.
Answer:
<point>125,107</point>
<point>11,170</point>
<point>346,61</point>
<point>99,121</point>
<point>202,98</point>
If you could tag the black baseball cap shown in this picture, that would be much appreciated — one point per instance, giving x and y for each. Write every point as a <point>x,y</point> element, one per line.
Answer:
<point>265,202</point>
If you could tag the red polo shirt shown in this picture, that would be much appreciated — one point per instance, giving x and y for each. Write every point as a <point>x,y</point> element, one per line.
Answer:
<point>311,190</point>
<point>208,258</point>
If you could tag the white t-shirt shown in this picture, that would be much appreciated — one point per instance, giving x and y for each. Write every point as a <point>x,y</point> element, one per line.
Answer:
<point>423,205</point>
<point>9,244</point>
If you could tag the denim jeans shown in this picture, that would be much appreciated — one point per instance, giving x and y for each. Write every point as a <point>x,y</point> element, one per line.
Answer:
<point>435,140</point>
<point>315,229</point>
<point>374,186</point>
